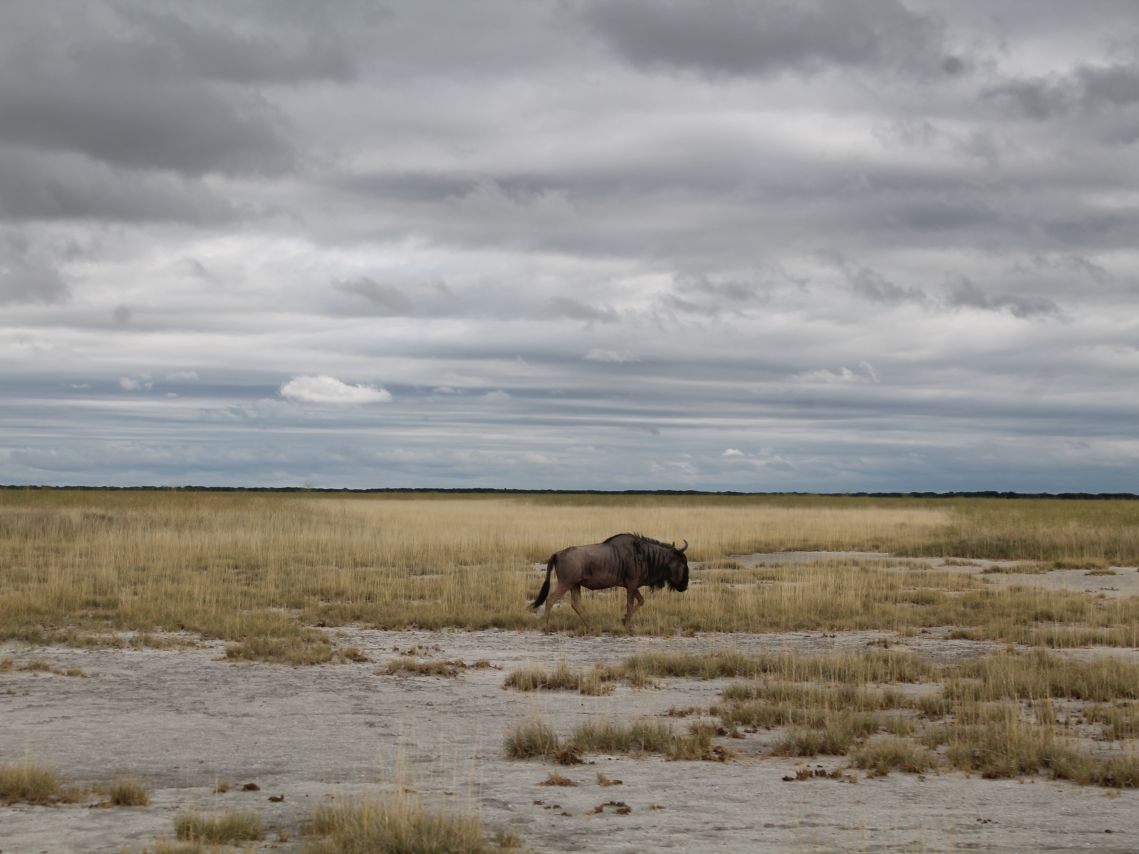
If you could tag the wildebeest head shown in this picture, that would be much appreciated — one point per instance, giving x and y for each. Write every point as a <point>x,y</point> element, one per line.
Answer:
<point>678,569</point>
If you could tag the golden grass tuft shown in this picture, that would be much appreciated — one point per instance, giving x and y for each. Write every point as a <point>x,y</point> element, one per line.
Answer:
<point>437,667</point>
<point>882,755</point>
<point>127,792</point>
<point>556,779</point>
<point>398,824</point>
<point>834,735</point>
<point>530,739</point>
<point>562,678</point>
<point>226,828</point>
<point>29,783</point>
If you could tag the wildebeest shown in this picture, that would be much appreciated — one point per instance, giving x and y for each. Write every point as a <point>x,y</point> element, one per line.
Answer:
<point>624,560</point>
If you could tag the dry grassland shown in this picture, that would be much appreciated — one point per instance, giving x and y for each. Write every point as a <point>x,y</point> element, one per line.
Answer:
<point>262,570</point>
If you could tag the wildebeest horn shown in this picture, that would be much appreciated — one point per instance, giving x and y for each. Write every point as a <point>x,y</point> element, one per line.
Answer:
<point>683,547</point>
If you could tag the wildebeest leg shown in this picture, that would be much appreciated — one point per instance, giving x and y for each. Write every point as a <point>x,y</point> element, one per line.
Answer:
<point>575,601</point>
<point>558,593</point>
<point>630,605</point>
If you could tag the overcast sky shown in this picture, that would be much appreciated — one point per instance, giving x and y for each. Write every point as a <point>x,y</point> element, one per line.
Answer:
<point>824,246</point>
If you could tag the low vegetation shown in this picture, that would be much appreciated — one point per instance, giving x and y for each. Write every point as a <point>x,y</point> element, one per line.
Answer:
<point>398,824</point>
<point>537,739</point>
<point>127,792</point>
<point>9,665</point>
<point>226,828</point>
<point>562,678</point>
<point>30,783</point>
<point>263,571</point>
<point>409,665</point>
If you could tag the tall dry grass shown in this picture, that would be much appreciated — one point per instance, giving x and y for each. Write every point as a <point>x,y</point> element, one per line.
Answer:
<point>260,570</point>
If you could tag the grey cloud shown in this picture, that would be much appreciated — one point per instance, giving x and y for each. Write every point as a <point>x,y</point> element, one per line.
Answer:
<point>1088,88</point>
<point>88,85</point>
<point>207,50</point>
<point>575,310</point>
<point>408,186</point>
<point>184,127</point>
<point>872,285</point>
<point>27,274</point>
<point>965,294</point>
<point>385,299</point>
<point>758,37</point>
<point>63,186</point>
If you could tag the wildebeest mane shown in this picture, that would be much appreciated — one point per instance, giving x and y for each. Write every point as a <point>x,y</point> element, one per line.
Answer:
<point>643,539</point>
<point>650,559</point>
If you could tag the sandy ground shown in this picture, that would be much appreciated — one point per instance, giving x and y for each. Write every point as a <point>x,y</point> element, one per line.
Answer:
<point>183,720</point>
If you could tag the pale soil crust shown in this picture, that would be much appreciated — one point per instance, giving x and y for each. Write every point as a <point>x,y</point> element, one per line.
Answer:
<point>184,720</point>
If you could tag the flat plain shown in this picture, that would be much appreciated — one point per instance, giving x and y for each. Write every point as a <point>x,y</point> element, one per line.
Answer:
<point>879,674</point>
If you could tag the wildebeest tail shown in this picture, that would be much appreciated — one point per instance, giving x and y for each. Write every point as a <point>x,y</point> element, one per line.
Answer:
<point>545,587</point>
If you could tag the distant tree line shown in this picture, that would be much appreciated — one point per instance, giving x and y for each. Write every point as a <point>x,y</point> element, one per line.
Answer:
<point>482,490</point>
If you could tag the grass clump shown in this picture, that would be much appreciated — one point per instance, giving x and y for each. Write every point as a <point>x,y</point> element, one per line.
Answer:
<point>398,825</point>
<point>556,779</point>
<point>29,783</point>
<point>127,792</point>
<point>838,730</point>
<point>439,667</point>
<point>1038,674</point>
<point>1120,720</point>
<point>301,647</point>
<point>880,756</point>
<point>871,666</point>
<point>530,739</point>
<point>562,678</point>
<point>218,829</point>
<point>9,665</point>
<point>645,737</point>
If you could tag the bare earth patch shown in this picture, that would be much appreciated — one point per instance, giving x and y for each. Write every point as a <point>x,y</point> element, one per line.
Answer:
<point>181,721</point>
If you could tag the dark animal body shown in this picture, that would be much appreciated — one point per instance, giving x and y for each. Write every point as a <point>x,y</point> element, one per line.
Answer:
<point>624,560</point>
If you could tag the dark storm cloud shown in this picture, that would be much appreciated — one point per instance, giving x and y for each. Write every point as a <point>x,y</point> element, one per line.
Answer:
<point>758,37</point>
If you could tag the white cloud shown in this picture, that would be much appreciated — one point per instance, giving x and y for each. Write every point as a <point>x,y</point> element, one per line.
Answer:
<point>496,396</point>
<point>596,355</point>
<point>732,452</point>
<point>326,389</point>
<point>142,382</point>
